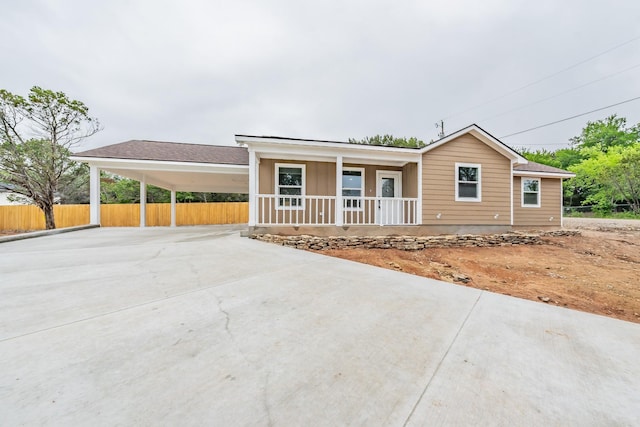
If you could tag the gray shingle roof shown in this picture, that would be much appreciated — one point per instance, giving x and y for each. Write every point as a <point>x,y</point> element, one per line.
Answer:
<point>538,167</point>
<point>171,152</point>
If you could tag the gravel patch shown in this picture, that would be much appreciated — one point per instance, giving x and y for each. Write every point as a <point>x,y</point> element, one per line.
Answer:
<point>601,224</point>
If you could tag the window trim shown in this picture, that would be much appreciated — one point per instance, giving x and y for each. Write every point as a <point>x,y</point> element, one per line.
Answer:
<point>360,206</point>
<point>459,198</point>
<point>302,166</point>
<point>539,192</point>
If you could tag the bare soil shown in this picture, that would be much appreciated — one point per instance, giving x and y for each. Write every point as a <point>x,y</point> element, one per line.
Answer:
<point>597,271</point>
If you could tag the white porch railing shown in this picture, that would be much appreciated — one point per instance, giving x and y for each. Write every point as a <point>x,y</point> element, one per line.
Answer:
<point>295,210</point>
<point>380,211</point>
<point>274,209</point>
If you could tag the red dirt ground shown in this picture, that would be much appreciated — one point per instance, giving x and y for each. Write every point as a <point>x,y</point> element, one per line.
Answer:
<point>597,272</point>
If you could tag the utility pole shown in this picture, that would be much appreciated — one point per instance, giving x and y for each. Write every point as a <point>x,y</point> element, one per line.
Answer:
<point>441,127</point>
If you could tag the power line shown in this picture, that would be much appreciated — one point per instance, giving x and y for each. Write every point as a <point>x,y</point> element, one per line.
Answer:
<point>543,78</point>
<point>569,118</point>
<point>560,94</point>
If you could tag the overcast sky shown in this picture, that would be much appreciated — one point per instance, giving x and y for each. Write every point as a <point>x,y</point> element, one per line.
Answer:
<point>202,71</point>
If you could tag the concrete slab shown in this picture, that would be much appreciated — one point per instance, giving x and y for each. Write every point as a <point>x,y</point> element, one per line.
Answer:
<point>195,325</point>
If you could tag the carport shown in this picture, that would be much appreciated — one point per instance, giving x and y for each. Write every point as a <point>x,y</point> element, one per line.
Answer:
<point>169,165</point>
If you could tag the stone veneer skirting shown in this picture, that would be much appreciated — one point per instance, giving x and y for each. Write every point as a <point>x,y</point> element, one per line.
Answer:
<point>411,243</point>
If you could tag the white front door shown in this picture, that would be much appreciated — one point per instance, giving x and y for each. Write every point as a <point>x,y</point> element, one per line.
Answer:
<point>388,191</point>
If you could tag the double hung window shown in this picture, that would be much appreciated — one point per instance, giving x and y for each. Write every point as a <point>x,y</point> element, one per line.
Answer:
<point>531,192</point>
<point>290,185</point>
<point>468,188</point>
<point>352,188</point>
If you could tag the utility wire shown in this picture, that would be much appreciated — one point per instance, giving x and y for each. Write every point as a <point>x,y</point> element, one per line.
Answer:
<point>560,94</point>
<point>543,78</point>
<point>569,118</point>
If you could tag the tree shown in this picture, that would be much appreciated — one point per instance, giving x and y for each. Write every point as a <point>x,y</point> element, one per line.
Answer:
<point>389,141</point>
<point>607,133</point>
<point>611,176</point>
<point>36,135</point>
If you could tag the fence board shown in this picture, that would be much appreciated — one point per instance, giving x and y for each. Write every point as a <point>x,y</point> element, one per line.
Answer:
<point>126,215</point>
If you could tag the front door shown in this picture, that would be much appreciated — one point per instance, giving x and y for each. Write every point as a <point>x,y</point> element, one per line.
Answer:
<point>388,192</point>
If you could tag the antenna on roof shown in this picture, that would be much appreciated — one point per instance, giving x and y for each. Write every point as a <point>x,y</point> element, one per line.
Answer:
<point>441,127</point>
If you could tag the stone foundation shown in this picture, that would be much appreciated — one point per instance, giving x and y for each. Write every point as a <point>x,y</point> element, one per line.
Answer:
<point>410,243</point>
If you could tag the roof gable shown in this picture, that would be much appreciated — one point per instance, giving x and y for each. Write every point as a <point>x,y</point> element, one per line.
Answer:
<point>482,136</point>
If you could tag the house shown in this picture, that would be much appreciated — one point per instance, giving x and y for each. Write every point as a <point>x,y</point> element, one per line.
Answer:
<point>468,181</point>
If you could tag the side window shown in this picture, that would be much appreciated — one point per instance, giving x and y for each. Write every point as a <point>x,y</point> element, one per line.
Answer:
<point>468,184</point>
<point>353,187</point>
<point>289,184</point>
<point>531,192</point>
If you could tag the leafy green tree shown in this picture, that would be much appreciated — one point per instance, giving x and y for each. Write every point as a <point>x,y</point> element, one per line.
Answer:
<point>611,176</point>
<point>389,141</point>
<point>36,134</point>
<point>604,134</point>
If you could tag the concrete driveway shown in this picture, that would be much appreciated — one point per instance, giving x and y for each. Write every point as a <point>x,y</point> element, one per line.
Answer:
<point>198,326</point>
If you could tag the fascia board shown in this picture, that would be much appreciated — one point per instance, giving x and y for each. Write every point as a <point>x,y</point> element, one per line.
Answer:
<point>330,153</point>
<point>264,142</point>
<point>543,174</point>
<point>162,165</point>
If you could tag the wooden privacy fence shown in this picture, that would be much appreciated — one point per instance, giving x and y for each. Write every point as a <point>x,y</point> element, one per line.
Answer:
<point>126,215</point>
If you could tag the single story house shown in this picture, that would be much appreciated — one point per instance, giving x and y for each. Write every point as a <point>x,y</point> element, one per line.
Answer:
<point>468,181</point>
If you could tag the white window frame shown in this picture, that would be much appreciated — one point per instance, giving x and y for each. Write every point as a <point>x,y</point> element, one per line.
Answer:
<point>539,192</point>
<point>360,206</point>
<point>301,207</point>
<point>478,197</point>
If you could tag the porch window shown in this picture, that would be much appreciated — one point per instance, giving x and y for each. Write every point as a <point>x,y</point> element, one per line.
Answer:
<point>531,192</point>
<point>468,182</point>
<point>352,188</point>
<point>289,184</point>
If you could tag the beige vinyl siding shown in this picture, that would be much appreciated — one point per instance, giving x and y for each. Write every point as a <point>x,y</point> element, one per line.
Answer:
<point>410,180</point>
<point>550,204</point>
<point>320,179</point>
<point>439,181</point>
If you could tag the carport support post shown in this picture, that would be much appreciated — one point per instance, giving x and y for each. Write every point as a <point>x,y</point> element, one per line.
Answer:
<point>173,208</point>
<point>143,202</point>
<point>253,177</point>
<point>339,220</point>
<point>94,195</point>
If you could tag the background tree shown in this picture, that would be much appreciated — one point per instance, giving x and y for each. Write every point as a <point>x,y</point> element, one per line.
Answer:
<point>36,134</point>
<point>389,141</point>
<point>604,134</point>
<point>610,177</point>
<point>116,189</point>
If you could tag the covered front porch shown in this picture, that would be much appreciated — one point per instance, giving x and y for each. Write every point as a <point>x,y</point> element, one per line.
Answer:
<point>308,183</point>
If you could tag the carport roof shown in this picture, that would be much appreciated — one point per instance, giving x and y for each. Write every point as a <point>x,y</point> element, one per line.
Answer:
<point>170,152</point>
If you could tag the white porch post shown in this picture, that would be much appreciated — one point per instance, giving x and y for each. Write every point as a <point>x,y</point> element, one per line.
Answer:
<point>143,202</point>
<point>253,177</point>
<point>339,215</point>
<point>94,195</point>
<point>419,210</point>
<point>173,208</point>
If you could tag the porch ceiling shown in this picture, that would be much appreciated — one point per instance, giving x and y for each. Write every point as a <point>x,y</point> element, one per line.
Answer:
<point>179,176</point>
<point>189,181</point>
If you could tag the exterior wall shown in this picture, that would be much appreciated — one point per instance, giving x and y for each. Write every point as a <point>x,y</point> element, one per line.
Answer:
<point>320,177</point>
<point>549,214</point>
<point>438,185</point>
<point>410,180</point>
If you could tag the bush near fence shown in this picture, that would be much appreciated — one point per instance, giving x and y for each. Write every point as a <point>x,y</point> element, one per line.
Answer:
<point>126,215</point>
